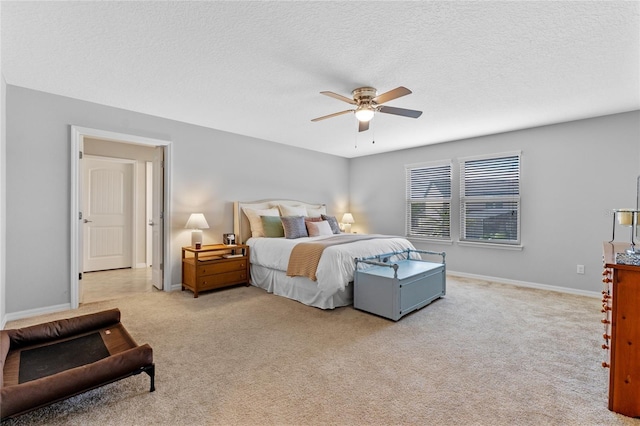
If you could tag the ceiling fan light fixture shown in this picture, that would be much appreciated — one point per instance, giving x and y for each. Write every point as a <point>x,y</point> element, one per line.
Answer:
<point>367,103</point>
<point>364,114</point>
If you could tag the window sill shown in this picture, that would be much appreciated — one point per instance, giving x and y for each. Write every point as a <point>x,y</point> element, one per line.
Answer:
<point>514,247</point>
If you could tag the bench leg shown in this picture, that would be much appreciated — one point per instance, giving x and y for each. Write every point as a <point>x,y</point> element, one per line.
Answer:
<point>151,371</point>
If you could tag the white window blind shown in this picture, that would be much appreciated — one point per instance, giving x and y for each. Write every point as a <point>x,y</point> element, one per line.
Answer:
<point>490,199</point>
<point>429,200</point>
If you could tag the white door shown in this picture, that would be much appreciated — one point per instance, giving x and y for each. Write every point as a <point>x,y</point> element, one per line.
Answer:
<point>156,221</point>
<point>108,213</point>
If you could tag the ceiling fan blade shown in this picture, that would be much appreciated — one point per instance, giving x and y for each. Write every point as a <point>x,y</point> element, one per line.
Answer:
<point>400,111</point>
<point>340,97</point>
<point>363,126</point>
<point>392,94</point>
<point>335,114</point>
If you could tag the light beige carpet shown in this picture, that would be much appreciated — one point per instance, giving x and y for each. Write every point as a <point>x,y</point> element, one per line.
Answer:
<point>487,354</point>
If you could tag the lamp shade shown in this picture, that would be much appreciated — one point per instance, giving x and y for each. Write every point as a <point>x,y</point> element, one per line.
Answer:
<point>348,218</point>
<point>197,221</point>
<point>625,217</point>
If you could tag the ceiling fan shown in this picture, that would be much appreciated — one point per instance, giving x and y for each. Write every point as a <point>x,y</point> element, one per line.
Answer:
<point>368,102</point>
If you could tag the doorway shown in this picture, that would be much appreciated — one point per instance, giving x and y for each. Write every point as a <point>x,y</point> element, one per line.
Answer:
<point>84,139</point>
<point>115,198</point>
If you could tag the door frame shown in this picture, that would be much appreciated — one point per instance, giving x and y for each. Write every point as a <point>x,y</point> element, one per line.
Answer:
<point>77,145</point>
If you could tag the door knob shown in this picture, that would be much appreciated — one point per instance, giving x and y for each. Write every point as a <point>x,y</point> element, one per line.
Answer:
<point>87,221</point>
<point>151,222</point>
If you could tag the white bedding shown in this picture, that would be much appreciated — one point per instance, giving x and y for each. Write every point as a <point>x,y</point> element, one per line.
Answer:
<point>336,267</point>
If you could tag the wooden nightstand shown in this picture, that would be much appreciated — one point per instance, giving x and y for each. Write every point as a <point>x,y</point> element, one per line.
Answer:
<point>214,266</point>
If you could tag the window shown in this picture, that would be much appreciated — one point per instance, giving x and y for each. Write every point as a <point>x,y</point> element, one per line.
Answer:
<point>429,200</point>
<point>490,199</point>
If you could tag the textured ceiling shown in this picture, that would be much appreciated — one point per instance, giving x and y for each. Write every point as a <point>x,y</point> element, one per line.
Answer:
<point>256,68</point>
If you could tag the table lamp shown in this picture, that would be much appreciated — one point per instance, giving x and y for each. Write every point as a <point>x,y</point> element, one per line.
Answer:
<point>347,220</point>
<point>627,217</point>
<point>197,222</point>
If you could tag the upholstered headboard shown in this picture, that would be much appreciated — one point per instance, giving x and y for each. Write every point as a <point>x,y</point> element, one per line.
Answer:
<point>241,226</point>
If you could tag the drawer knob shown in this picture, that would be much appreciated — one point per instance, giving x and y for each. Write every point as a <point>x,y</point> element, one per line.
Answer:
<point>606,336</point>
<point>605,364</point>
<point>605,346</point>
<point>606,280</point>
<point>605,321</point>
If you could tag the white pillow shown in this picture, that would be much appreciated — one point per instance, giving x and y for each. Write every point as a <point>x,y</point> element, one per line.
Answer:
<point>311,212</point>
<point>292,210</point>
<point>316,229</point>
<point>257,230</point>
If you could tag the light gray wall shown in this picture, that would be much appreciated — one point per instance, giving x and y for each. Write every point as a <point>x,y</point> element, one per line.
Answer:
<point>210,170</point>
<point>572,175</point>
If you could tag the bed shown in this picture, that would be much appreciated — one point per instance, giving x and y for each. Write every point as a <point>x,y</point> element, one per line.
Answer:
<point>332,285</point>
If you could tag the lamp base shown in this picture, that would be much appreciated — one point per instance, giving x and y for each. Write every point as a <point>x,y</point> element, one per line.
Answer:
<point>347,228</point>
<point>196,237</point>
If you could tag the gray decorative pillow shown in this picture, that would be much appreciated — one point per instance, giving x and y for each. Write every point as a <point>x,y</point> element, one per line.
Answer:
<point>333,223</point>
<point>272,226</point>
<point>294,227</point>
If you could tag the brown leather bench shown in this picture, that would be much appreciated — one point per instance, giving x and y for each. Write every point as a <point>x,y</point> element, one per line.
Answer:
<point>49,362</point>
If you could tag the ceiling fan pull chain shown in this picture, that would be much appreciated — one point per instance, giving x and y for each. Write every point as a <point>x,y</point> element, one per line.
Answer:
<point>373,131</point>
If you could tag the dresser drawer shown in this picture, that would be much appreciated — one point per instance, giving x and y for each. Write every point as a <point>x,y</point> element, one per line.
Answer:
<point>220,267</point>
<point>221,280</point>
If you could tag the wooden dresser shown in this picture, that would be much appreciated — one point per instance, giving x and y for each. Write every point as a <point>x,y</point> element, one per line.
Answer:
<point>621,309</point>
<point>214,266</point>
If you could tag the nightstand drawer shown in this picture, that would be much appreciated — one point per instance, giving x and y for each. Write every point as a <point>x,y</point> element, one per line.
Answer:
<point>223,266</point>
<point>221,280</point>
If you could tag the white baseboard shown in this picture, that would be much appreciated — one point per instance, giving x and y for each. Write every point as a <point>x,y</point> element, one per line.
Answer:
<point>527,284</point>
<point>176,287</point>
<point>35,312</point>
<point>140,265</point>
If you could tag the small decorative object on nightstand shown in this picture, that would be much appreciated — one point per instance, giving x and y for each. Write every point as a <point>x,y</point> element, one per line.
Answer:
<point>214,266</point>
<point>229,239</point>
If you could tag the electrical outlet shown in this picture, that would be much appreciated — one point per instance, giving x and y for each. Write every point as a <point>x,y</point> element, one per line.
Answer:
<point>580,269</point>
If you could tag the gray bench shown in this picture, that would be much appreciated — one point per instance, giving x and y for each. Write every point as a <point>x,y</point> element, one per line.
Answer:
<point>393,288</point>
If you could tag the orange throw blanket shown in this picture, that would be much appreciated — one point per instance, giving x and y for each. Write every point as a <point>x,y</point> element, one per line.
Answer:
<point>304,258</point>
